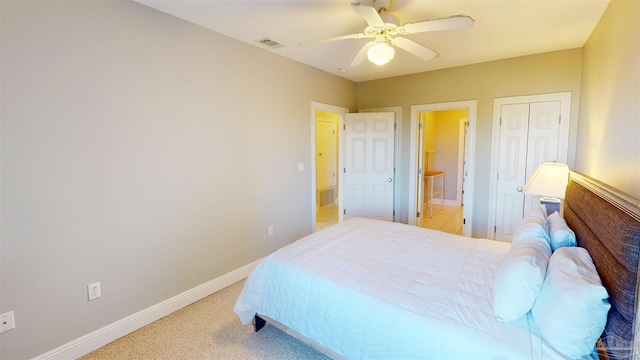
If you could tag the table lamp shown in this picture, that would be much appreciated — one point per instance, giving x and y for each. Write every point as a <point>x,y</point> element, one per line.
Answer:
<point>549,182</point>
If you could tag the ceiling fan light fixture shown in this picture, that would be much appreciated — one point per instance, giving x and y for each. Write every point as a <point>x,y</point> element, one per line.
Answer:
<point>380,53</point>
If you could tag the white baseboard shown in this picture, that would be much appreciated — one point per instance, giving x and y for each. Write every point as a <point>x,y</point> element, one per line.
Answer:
<point>92,341</point>
<point>447,202</point>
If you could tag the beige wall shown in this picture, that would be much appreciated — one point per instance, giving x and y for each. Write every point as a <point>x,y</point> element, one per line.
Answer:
<point>537,74</point>
<point>143,152</point>
<point>151,155</point>
<point>447,138</point>
<point>608,146</point>
<point>429,139</point>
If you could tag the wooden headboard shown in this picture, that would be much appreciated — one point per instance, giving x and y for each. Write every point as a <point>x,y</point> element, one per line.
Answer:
<point>607,224</point>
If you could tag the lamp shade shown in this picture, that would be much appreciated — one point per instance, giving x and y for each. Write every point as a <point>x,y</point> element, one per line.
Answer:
<point>380,53</point>
<point>549,180</point>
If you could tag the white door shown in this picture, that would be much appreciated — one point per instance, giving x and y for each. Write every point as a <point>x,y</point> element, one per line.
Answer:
<point>512,164</point>
<point>326,142</point>
<point>529,135</point>
<point>369,165</point>
<point>543,140</point>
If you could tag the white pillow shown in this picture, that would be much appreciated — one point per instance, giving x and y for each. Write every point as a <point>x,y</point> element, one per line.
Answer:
<point>559,232</point>
<point>571,309</point>
<point>519,278</point>
<point>534,224</point>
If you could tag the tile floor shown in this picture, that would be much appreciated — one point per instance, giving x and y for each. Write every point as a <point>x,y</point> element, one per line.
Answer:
<point>326,216</point>
<point>449,219</point>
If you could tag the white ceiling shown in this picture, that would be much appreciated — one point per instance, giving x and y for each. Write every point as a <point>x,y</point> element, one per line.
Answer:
<point>503,29</point>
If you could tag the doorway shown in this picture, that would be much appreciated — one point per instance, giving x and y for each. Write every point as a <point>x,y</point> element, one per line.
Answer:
<point>441,163</point>
<point>327,214</point>
<point>326,169</point>
<point>419,161</point>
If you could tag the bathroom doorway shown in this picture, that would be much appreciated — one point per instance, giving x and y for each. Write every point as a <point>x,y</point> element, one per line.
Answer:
<point>326,155</point>
<point>442,136</point>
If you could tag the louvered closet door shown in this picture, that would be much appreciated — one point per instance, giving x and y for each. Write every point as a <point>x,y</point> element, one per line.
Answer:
<point>529,135</point>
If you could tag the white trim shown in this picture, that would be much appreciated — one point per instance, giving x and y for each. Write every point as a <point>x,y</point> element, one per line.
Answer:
<point>563,141</point>
<point>96,339</point>
<point>316,106</point>
<point>461,146</point>
<point>472,109</point>
<point>445,202</point>
<point>396,158</point>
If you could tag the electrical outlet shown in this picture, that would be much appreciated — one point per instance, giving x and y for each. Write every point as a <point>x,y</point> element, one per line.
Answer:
<point>7,322</point>
<point>270,231</point>
<point>93,291</point>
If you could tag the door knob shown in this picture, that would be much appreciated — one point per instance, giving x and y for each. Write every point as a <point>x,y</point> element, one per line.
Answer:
<point>519,189</point>
<point>389,179</point>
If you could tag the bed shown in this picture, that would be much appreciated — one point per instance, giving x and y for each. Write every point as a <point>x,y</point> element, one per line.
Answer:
<point>368,289</point>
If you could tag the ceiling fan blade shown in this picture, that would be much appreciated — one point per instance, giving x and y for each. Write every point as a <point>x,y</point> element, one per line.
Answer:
<point>369,14</point>
<point>361,57</point>
<point>337,38</point>
<point>450,23</point>
<point>413,47</point>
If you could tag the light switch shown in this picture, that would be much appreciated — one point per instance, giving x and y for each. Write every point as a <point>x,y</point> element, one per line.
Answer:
<point>300,167</point>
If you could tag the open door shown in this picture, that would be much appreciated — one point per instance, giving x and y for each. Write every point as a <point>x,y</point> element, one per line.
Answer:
<point>369,165</point>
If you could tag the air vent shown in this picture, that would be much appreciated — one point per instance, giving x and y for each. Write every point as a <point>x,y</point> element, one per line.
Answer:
<point>327,197</point>
<point>270,43</point>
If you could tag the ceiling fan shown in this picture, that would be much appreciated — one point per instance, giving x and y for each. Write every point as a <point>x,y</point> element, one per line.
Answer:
<point>385,31</point>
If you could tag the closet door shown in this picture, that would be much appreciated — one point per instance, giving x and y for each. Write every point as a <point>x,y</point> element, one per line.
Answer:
<point>543,140</point>
<point>512,165</point>
<point>529,134</point>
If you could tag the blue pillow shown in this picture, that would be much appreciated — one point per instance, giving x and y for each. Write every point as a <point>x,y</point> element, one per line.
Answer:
<point>571,309</point>
<point>559,232</point>
<point>519,278</point>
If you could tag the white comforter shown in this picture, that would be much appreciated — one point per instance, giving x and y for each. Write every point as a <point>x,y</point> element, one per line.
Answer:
<point>370,289</point>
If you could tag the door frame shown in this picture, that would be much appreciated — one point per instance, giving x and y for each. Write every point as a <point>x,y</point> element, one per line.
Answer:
<point>397,110</point>
<point>563,141</point>
<point>471,106</point>
<point>336,110</point>
<point>462,139</point>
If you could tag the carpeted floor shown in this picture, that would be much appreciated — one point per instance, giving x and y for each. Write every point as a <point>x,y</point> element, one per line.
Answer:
<point>207,329</point>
